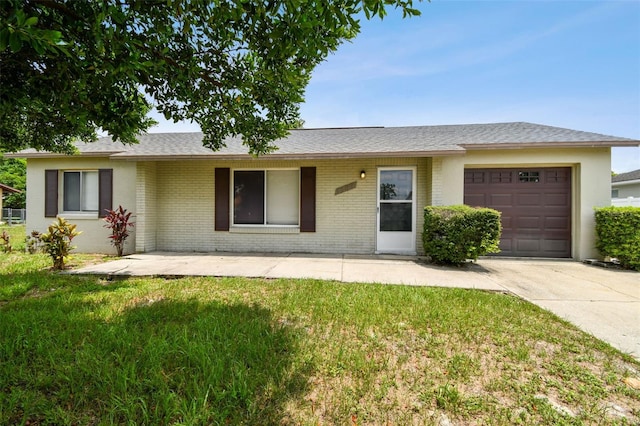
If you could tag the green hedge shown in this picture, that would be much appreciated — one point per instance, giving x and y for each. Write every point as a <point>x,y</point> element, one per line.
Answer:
<point>453,234</point>
<point>618,234</point>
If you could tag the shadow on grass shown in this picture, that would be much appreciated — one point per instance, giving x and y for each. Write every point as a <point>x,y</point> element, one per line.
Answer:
<point>65,360</point>
<point>38,283</point>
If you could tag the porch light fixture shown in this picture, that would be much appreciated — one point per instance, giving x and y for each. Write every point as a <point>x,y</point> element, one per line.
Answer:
<point>362,174</point>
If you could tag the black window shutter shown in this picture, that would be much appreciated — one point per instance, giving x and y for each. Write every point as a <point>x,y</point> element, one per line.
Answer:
<point>222,176</point>
<point>307,199</point>
<point>105,191</point>
<point>50,193</point>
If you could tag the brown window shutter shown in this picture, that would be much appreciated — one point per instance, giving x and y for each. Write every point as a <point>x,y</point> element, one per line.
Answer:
<point>222,176</point>
<point>307,199</point>
<point>105,191</point>
<point>50,193</point>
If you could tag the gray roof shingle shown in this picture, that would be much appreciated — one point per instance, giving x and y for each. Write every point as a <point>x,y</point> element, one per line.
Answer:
<point>623,177</point>
<point>357,142</point>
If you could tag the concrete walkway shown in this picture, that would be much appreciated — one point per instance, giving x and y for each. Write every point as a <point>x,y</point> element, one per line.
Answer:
<point>603,302</point>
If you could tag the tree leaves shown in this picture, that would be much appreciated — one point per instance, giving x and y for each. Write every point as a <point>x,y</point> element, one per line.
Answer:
<point>237,68</point>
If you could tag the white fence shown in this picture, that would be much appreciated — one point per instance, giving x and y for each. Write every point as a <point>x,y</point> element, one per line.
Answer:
<point>12,216</point>
<point>626,202</point>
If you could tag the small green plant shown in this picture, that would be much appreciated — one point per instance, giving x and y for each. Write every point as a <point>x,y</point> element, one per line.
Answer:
<point>448,397</point>
<point>118,221</point>
<point>33,242</point>
<point>5,241</point>
<point>618,234</point>
<point>453,234</point>
<point>57,241</point>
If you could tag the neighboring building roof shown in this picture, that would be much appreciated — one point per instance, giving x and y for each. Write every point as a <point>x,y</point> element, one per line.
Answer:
<point>7,188</point>
<point>624,177</point>
<point>355,142</point>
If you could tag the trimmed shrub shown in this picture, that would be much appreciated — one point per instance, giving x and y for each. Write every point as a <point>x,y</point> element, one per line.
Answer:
<point>454,234</point>
<point>618,234</point>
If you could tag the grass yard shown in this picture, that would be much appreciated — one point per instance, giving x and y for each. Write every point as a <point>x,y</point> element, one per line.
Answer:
<point>82,350</point>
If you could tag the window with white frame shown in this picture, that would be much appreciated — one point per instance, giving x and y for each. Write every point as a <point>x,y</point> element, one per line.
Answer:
<point>266,197</point>
<point>80,191</point>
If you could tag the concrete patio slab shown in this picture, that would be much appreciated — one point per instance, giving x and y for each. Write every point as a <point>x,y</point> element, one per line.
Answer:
<point>603,302</point>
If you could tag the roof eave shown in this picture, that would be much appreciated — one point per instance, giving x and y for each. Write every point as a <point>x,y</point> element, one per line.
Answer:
<point>578,144</point>
<point>6,188</point>
<point>57,155</point>
<point>310,156</point>
<point>626,182</point>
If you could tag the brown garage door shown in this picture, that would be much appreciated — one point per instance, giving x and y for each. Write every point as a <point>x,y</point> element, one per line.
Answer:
<point>535,205</point>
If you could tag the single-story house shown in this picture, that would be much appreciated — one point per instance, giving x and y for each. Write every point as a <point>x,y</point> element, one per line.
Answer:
<point>625,185</point>
<point>5,189</point>
<point>333,190</point>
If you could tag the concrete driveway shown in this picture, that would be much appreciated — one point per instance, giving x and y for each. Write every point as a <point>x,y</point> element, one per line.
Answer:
<point>603,302</point>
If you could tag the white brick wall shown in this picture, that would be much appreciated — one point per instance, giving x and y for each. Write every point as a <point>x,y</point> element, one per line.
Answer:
<point>345,223</point>
<point>146,206</point>
<point>437,186</point>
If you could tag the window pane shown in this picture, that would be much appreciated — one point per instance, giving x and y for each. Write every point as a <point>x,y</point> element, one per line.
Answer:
<point>248,197</point>
<point>396,185</point>
<point>395,217</point>
<point>283,193</point>
<point>71,191</point>
<point>90,191</point>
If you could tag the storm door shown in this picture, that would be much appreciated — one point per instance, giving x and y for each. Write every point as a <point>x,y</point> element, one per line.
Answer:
<point>396,232</point>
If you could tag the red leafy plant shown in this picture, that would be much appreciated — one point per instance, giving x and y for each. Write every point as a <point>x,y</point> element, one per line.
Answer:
<point>118,221</point>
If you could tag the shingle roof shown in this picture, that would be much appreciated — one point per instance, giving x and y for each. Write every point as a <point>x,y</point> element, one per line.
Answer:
<point>358,142</point>
<point>623,177</point>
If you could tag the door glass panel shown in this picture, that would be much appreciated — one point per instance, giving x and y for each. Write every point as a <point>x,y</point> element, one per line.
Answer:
<point>395,217</point>
<point>396,185</point>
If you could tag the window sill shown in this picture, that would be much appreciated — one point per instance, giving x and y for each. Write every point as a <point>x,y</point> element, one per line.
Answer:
<point>264,229</point>
<point>79,216</point>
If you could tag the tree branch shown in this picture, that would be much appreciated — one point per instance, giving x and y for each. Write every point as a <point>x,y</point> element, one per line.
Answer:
<point>52,4</point>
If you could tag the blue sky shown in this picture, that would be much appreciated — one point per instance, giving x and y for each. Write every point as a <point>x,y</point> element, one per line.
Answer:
<point>573,64</point>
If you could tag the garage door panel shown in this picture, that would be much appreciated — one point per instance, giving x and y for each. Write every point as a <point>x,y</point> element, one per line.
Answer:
<point>557,223</point>
<point>535,204</point>
<point>507,223</point>
<point>528,199</point>
<point>500,200</point>
<point>529,222</point>
<point>476,200</point>
<point>556,199</point>
<point>555,247</point>
<point>557,175</point>
<point>506,245</point>
<point>475,177</point>
<point>501,176</point>
<point>528,245</point>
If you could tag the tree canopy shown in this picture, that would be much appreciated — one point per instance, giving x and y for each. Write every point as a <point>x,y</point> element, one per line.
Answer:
<point>236,67</point>
<point>13,172</point>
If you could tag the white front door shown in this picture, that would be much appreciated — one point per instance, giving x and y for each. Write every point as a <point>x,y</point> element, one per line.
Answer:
<point>396,230</point>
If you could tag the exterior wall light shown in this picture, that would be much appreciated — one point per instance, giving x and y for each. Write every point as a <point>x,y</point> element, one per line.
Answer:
<point>363,174</point>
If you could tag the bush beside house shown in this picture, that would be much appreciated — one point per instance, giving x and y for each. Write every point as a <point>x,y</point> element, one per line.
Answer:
<point>454,234</point>
<point>618,234</point>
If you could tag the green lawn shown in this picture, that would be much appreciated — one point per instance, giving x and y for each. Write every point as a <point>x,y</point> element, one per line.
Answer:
<point>83,350</point>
